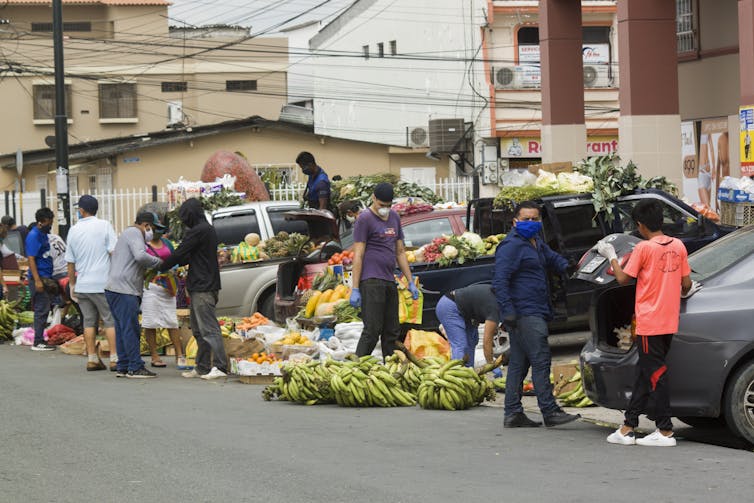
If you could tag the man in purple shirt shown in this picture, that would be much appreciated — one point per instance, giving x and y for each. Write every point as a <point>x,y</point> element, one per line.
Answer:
<point>378,244</point>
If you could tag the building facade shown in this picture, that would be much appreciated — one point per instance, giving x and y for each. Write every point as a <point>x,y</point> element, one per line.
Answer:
<point>126,75</point>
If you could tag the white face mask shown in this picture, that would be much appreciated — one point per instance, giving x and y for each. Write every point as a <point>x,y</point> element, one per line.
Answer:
<point>350,219</point>
<point>148,235</point>
<point>383,212</point>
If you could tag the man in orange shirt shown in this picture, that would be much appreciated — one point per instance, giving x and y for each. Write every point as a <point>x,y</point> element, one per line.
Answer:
<point>660,266</point>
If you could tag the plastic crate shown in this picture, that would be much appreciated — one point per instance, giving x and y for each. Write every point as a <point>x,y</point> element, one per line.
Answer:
<point>738,214</point>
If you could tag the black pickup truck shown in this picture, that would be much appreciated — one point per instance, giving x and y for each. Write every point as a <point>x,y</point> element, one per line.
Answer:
<point>571,226</point>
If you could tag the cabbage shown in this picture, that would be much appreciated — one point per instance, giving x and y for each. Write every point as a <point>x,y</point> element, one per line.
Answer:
<point>547,180</point>
<point>474,240</point>
<point>575,182</point>
<point>449,252</point>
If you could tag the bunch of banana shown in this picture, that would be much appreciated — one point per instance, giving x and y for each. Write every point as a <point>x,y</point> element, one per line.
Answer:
<point>575,397</point>
<point>499,383</point>
<point>409,375</point>
<point>452,386</point>
<point>366,383</point>
<point>8,318</point>
<point>307,383</point>
<point>26,318</point>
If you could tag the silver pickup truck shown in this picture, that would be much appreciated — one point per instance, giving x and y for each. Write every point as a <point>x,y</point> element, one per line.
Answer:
<point>250,287</point>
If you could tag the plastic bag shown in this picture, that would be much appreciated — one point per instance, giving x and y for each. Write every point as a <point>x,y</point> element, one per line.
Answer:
<point>423,344</point>
<point>516,178</point>
<point>409,310</point>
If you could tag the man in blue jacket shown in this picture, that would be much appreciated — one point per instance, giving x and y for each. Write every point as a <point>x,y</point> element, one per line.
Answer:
<point>317,193</point>
<point>522,292</point>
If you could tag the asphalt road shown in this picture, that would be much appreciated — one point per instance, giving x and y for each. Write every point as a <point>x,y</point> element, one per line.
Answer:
<point>73,436</point>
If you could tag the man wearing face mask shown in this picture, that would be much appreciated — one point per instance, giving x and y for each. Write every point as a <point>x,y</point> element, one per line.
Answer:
<point>125,285</point>
<point>40,271</point>
<point>348,211</point>
<point>521,288</point>
<point>378,244</point>
<point>90,243</point>
<point>317,193</point>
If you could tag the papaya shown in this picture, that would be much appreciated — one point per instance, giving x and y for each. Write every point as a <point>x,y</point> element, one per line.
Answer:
<point>325,297</point>
<point>327,308</point>
<point>311,305</point>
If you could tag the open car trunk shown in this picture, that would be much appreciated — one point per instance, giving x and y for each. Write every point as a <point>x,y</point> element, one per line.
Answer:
<point>612,315</point>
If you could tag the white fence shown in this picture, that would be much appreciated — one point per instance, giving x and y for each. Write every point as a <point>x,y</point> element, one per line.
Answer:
<point>119,206</point>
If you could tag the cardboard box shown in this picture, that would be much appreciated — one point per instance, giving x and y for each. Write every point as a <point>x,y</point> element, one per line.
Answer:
<point>561,375</point>
<point>552,167</point>
<point>257,379</point>
<point>734,196</point>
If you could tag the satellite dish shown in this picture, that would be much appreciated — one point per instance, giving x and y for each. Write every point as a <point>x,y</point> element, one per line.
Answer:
<point>50,141</point>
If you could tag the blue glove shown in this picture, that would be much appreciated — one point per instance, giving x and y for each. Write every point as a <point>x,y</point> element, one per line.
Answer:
<point>497,372</point>
<point>414,291</point>
<point>355,298</point>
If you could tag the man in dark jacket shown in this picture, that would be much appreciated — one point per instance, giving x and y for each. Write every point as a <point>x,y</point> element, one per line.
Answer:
<point>198,249</point>
<point>520,285</point>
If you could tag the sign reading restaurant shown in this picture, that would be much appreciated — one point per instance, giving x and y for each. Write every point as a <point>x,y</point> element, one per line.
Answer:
<point>532,146</point>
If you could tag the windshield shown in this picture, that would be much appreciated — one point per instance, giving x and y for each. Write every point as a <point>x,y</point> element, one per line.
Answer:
<point>721,254</point>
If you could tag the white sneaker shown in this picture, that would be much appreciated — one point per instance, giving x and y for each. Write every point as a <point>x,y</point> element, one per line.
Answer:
<point>657,439</point>
<point>215,373</point>
<point>43,347</point>
<point>190,374</point>
<point>617,437</point>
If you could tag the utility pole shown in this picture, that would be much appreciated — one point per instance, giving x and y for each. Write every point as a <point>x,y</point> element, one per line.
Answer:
<point>61,124</point>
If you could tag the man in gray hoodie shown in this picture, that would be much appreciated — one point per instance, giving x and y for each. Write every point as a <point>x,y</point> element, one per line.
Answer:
<point>125,285</point>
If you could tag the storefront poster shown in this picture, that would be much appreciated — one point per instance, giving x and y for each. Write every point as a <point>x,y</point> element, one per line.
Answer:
<point>690,167</point>
<point>746,131</point>
<point>714,159</point>
<point>531,147</point>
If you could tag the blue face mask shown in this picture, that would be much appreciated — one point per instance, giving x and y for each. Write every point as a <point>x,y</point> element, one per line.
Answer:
<point>527,228</point>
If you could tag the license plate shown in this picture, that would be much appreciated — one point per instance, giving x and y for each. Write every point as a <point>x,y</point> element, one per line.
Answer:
<point>593,264</point>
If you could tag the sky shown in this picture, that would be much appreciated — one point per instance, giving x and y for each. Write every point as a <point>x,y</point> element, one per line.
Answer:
<point>260,15</point>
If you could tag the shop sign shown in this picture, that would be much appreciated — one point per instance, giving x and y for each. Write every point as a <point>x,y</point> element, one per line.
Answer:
<point>532,146</point>
<point>746,131</point>
<point>592,54</point>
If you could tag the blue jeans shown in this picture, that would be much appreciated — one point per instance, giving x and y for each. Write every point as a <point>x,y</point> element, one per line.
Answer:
<point>529,347</point>
<point>41,302</point>
<point>125,311</point>
<point>462,335</point>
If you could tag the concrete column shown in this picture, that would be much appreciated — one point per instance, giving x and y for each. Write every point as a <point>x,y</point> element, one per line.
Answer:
<point>746,50</point>
<point>649,124</point>
<point>560,41</point>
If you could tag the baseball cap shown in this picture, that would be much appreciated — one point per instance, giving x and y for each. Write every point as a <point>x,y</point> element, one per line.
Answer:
<point>88,203</point>
<point>150,217</point>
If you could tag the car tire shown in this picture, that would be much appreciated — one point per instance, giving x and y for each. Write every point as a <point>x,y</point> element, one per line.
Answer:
<point>739,402</point>
<point>707,423</point>
<point>267,306</point>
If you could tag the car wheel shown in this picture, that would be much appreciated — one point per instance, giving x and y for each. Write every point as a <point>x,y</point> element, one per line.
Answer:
<point>704,422</point>
<point>267,306</point>
<point>739,402</point>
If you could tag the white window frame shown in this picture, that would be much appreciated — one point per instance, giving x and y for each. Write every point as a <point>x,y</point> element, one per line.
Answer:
<point>687,32</point>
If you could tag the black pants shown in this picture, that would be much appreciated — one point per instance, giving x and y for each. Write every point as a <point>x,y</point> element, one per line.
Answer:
<point>379,311</point>
<point>651,395</point>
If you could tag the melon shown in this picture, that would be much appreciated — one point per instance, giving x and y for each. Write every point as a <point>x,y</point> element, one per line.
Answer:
<point>223,162</point>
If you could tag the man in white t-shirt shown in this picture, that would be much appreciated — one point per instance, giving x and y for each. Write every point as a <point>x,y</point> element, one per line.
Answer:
<point>90,243</point>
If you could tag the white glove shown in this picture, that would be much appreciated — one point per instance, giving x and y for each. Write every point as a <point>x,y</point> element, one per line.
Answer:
<point>606,250</point>
<point>695,287</point>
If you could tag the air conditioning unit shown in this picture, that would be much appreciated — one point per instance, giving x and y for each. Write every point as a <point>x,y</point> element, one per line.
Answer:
<point>517,77</point>
<point>175,113</point>
<point>417,137</point>
<point>597,76</point>
<point>447,135</point>
<point>507,77</point>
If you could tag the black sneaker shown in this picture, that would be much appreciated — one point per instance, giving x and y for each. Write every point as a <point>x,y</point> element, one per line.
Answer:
<point>43,347</point>
<point>142,373</point>
<point>519,420</point>
<point>560,417</point>
<point>121,373</point>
